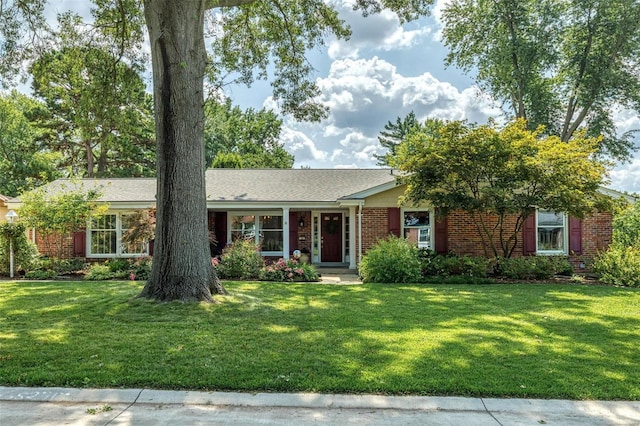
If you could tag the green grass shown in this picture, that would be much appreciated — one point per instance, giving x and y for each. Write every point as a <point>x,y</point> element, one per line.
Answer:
<point>542,341</point>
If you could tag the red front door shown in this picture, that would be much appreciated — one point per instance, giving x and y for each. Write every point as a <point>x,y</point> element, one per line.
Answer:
<point>331,237</point>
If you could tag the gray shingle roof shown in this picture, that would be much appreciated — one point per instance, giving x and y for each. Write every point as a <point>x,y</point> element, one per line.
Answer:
<point>251,185</point>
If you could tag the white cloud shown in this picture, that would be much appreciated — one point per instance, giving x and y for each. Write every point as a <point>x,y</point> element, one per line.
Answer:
<point>627,177</point>
<point>381,32</point>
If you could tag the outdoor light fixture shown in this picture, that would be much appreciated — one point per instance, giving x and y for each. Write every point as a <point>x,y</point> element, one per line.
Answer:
<point>11,216</point>
<point>301,223</point>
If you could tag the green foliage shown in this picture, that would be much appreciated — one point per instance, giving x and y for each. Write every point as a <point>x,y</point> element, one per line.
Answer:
<point>288,271</point>
<point>60,266</point>
<point>25,252</point>
<point>23,163</point>
<point>392,260</point>
<point>507,171</point>
<point>566,65</point>
<point>626,227</point>
<point>393,134</point>
<point>619,265</point>
<point>240,260</point>
<point>103,271</point>
<point>57,212</point>
<point>434,264</point>
<point>41,274</point>
<point>99,114</point>
<point>249,139</point>
<point>533,267</point>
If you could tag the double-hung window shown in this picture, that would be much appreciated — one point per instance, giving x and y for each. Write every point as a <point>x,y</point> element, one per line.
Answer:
<point>552,232</point>
<point>417,227</point>
<point>265,230</point>
<point>105,237</point>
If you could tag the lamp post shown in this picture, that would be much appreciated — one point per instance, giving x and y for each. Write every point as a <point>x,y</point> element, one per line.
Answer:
<point>11,216</point>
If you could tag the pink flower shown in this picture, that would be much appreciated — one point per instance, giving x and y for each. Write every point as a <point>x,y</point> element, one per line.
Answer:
<point>290,275</point>
<point>132,276</point>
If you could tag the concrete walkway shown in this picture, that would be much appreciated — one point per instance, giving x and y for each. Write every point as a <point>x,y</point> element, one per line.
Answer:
<point>58,406</point>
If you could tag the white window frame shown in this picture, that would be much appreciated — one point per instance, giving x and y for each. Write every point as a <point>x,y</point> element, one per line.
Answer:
<point>119,249</point>
<point>565,235</point>
<point>431,225</point>
<point>258,230</point>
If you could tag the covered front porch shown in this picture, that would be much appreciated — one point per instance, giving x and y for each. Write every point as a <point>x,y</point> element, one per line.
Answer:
<point>327,236</point>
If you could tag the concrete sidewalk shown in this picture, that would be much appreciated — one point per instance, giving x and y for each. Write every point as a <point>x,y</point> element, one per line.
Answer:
<point>56,406</point>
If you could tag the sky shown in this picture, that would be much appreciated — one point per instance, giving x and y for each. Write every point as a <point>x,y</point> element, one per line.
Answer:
<point>384,71</point>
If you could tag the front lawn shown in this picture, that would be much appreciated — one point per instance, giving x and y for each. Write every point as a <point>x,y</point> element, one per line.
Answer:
<point>515,340</point>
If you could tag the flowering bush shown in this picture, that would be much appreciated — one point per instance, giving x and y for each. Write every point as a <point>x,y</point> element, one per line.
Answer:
<point>289,270</point>
<point>239,260</point>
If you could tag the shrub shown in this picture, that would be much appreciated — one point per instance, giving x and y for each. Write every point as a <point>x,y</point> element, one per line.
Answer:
<point>392,260</point>
<point>434,264</point>
<point>289,270</point>
<point>619,266</point>
<point>41,274</point>
<point>525,268</point>
<point>561,265</point>
<point>240,260</point>
<point>141,268</point>
<point>102,271</point>
<point>25,253</point>
<point>119,265</point>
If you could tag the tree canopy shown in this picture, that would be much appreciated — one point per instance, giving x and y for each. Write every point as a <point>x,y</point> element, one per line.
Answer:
<point>100,115</point>
<point>24,164</point>
<point>236,138</point>
<point>500,175</point>
<point>563,64</point>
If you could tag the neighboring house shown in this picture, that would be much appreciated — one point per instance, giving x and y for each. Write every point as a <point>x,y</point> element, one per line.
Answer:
<point>335,215</point>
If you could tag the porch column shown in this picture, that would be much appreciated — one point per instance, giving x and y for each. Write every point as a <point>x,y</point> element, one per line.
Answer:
<point>352,237</point>
<point>285,233</point>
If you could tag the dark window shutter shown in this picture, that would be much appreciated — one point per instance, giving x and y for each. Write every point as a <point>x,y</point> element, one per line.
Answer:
<point>393,216</point>
<point>441,235</point>
<point>151,247</point>
<point>529,235</point>
<point>221,229</point>
<point>293,231</point>
<point>80,244</point>
<point>575,235</point>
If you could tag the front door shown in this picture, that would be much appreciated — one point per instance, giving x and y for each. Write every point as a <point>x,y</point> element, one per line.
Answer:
<point>331,237</point>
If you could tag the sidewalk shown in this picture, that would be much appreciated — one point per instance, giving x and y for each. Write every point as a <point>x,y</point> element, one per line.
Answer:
<point>56,406</point>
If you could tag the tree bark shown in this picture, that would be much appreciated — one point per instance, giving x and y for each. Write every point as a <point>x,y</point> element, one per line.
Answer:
<point>182,268</point>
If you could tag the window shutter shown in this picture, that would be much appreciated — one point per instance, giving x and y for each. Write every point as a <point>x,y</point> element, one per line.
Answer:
<point>441,236</point>
<point>221,229</point>
<point>151,247</point>
<point>80,244</point>
<point>575,235</point>
<point>393,217</point>
<point>529,235</point>
<point>293,231</point>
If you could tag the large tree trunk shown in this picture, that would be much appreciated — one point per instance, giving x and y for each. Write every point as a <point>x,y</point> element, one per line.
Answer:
<point>182,268</point>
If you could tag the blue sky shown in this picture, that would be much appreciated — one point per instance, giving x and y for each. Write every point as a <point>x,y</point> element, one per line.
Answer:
<point>383,72</point>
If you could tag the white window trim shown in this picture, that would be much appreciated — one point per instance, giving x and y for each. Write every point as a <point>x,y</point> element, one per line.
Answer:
<point>565,237</point>
<point>432,240</point>
<point>256,214</point>
<point>118,230</point>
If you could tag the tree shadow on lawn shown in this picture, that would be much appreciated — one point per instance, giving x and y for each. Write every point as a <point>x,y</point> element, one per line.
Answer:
<point>549,341</point>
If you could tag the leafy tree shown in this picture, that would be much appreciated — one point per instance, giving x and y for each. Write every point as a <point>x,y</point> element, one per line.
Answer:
<point>626,227</point>
<point>101,117</point>
<point>251,136</point>
<point>499,176</point>
<point>57,215</point>
<point>248,35</point>
<point>562,64</point>
<point>23,164</point>
<point>394,133</point>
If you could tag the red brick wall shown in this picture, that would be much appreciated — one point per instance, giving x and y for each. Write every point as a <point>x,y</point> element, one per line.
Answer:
<point>375,226</point>
<point>463,237</point>
<point>50,244</point>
